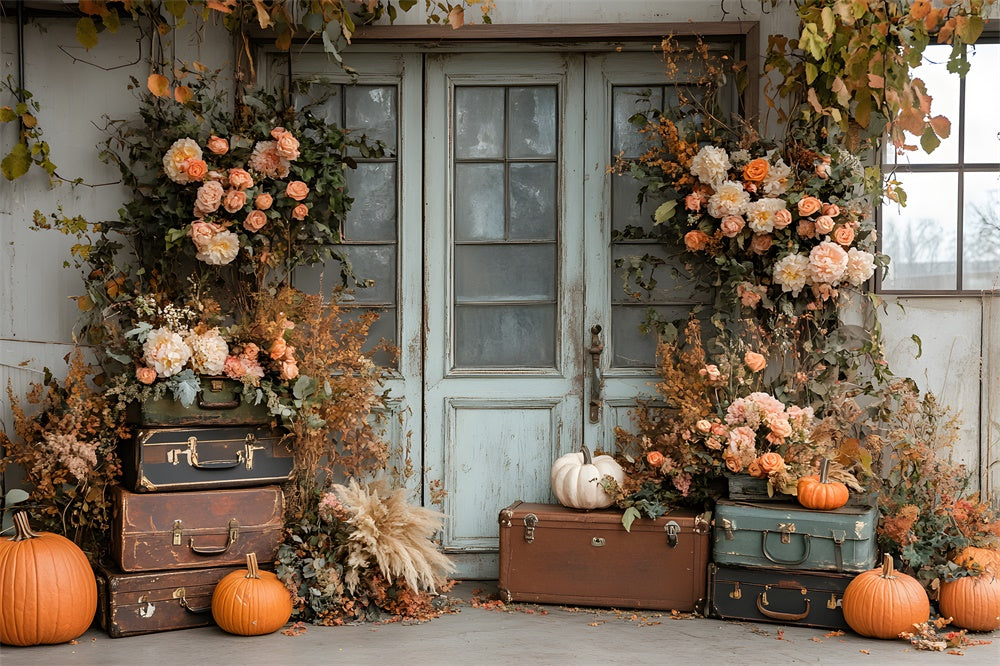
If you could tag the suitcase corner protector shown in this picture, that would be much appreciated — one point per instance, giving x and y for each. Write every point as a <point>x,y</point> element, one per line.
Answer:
<point>505,595</point>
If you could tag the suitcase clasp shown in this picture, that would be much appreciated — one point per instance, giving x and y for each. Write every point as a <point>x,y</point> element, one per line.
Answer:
<point>180,594</point>
<point>737,593</point>
<point>249,448</point>
<point>786,530</point>
<point>597,542</point>
<point>672,529</point>
<point>832,603</point>
<point>727,525</point>
<point>177,533</point>
<point>530,521</point>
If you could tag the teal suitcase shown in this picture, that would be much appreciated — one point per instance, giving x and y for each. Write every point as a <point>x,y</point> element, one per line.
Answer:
<point>787,536</point>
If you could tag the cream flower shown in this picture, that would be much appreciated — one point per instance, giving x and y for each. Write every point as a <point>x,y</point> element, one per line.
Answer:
<point>266,160</point>
<point>860,266</point>
<point>729,199</point>
<point>761,214</point>
<point>778,178</point>
<point>209,198</point>
<point>166,352</point>
<point>827,263</point>
<point>710,165</point>
<point>208,352</point>
<point>791,273</point>
<point>182,150</point>
<point>220,249</point>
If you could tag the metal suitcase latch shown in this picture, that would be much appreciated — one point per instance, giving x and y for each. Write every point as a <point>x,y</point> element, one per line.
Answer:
<point>737,593</point>
<point>529,527</point>
<point>786,530</point>
<point>177,533</point>
<point>672,529</point>
<point>727,525</point>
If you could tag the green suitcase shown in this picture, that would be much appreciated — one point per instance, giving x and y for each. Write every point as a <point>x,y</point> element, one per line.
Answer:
<point>787,536</point>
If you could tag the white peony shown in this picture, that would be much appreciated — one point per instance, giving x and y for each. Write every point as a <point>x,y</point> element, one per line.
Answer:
<point>220,249</point>
<point>778,178</point>
<point>166,352</point>
<point>860,266</point>
<point>182,150</point>
<point>208,352</point>
<point>710,165</point>
<point>729,199</point>
<point>792,272</point>
<point>760,214</point>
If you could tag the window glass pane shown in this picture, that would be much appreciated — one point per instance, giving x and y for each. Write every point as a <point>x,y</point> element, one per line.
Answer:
<point>479,117</point>
<point>372,110</point>
<point>503,336</point>
<point>982,101</point>
<point>921,238</point>
<point>533,201</point>
<point>944,88</point>
<point>532,121</point>
<point>626,102</point>
<point>505,272</point>
<point>376,263</point>
<point>327,100</point>
<point>632,348</point>
<point>479,202</point>
<point>981,227</point>
<point>372,216</point>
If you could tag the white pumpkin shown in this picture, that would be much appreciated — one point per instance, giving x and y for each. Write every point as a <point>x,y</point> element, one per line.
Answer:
<point>576,479</point>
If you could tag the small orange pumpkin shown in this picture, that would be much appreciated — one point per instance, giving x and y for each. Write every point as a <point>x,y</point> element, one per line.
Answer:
<point>818,492</point>
<point>972,602</point>
<point>983,559</point>
<point>48,593</point>
<point>251,602</point>
<point>882,603</point>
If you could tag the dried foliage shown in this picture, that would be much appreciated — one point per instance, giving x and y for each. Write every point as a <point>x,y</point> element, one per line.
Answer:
<point>66,449</point>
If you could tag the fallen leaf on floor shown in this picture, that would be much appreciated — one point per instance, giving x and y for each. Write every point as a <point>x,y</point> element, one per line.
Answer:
<point>781,635</point>
<point>864,651</point>
<point>957,653</point>
<point>831,634</point>
<point>296,629</point>
<point>816,639</point>
<point>74,642</point>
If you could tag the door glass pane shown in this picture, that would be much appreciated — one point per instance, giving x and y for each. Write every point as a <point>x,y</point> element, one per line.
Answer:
<point>626,102</point>
<point>627,216</point>
<point>376,264</point>
<point>479,197</point>
<point>982,121</point>
<point>479,122</point>
<point>981,227</point>
<point>532,121</point>
<point>505,272</point>
<point>372,110</point>
<point>921,238</point>
<point>632,347</point>
<point>533,201</point>
<point>505,336</point>
<point>372,216</point>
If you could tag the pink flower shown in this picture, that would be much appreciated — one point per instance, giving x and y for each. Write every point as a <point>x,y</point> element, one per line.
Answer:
<point>202,233</point>
<point>696,240</point>
<point>833,210</point>
<point>255,221</point>
<point>711,372</point>
<point>809,206</point>
<point>234,200</point>
<point>823,170</point>
<point>297,190</point>
<point>300,212</point>
<point>844,235</point>
<point>761,243</point>
<point>277,131</point>
<point>278,348</point>
<point>782,218</point>
<point>827,263</point>
<point>749,295</point>
<point>250,351</point>
<point>289,370</point>
<point>263,201</point>
<point>779,427</point>
<point>209,198</point>
<point>240,179</point>
<point>703,426</point>
<point>742,439</point>
<point>719,430</point>
<point>235,368</point>
<point>731,225</point>
<point>824,224</point>
<point>145,374</point>
<point>692,202</point>
<point>756,362</point>
<point>807,229</point>
<point>218,145</point>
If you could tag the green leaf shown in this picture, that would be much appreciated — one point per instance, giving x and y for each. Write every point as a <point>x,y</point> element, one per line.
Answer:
<point>920,345</point>
<point>929,140</point>
<point>86,32</point>
<point>407,5</point>
<point>970,28</point>
<point>301,386</point>
<point>811,42</point>
<point>17,162</point>
<point>176,7</point>
<point>829,22</point>
<point>15,496</point>
<point>812,71</point>
<point>629,517</point>
<point>665,211</point>
<point>111,21</point>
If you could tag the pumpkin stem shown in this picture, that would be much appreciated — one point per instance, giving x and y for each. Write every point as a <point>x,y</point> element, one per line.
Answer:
<point>824,470</point>
<point>887,570</point>
<point>24,531</point>
<point>587,458</point>
<point>252,570</point>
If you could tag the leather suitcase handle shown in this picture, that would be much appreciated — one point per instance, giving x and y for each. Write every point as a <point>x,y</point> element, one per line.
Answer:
<point>234,534</point>
<point>180,595</point>
<point>805,555</point>
<point>776,615</point>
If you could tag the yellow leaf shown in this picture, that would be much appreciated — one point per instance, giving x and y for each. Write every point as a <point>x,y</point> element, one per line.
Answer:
<point>224,6</point>
<point>262,16</point>
<point>29,120</point>
<point>84,303</point>
<point>86,32</point>
<point>841,91</point>
<point>158,84</point>
<point>182,94</point>
<point>284,41</point>
<point>456,17</point>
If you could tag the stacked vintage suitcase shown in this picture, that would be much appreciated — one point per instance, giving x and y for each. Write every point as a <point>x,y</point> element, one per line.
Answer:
<point>779,562</point>
<point>200,491</point>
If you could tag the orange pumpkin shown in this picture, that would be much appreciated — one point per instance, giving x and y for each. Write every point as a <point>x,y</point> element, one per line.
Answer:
<point>251,602</point>
<point>882,603</point>
<point>972,602</point>
<point>983,559</point>
<point>48,593</point>
<point>818,492</point>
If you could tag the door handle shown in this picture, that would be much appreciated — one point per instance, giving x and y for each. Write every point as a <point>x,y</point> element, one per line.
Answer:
<point>596,347</point>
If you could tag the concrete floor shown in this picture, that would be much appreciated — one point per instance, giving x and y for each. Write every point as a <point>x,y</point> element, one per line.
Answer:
<point>518,634</point>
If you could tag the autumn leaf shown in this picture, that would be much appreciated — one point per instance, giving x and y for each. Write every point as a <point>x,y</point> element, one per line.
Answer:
<point>814,101</point>
<point>84,303</point>
<point>876,81</point>
<point>16,163</point>
<point>841,91</point>
<point>93,7</point>
<point>182,94</point>
<point>942,126</point>
<point>968,28</point>
<point>456,17</point>
<point>263,18</point>
<point>29,120</point>
<point>86,32</point>
<point>283,41</point>
<point>157,84</point>
<point>224,6</point>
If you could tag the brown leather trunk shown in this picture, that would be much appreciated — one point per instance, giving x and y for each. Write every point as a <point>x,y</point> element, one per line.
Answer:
<point>554,554</point>
<point>192,530</point>
<point>129,604</point>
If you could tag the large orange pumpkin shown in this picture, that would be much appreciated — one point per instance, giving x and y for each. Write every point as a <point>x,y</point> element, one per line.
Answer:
<point>48,593</point>
<point>882,603</point>
<point>818,492</point>
<point>984,559</point>
<point>972,602</point>
<point>251,602</point>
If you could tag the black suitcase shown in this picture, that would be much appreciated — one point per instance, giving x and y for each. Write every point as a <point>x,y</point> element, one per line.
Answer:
<point>166,459</point>
<point>805,598</point>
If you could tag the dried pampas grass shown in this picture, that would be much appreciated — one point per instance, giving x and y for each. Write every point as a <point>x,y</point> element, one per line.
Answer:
<point>394,534</point>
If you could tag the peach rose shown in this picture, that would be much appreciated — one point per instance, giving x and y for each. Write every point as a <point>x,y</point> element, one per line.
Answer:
<point>733,464</point>
<point>209,198</point>
<point>263,201</point>
<point>761,243</point>
<point>255,221</point>
<point>250,351</point>
<point>289,370</point>
<point>711,372</point>
<point>703,426</point>
<point>824,224</point>
<point>731,225</point>
<point>278,348</point>
<point>756,362</point>
<point>807,229</point>
<point>655,459</point>
<point>240,179</point>
<point>749,296</point>
<point>782,218</point>
<point>692,202</point>
<point>202,233</point>
<point>234,367</point>
<point>297,190</point>
<point>843,235</point>
<point>696,240</point>
<point>823,170</point>
<point>833,210</point>
<point>218,145</point>
<point>195,169</point>
<point>779,427</point>
<point>234,200</point>
<point>300,212</point>
<point>277,132</point>
<point>756,170</point>
<point>287,145</point>
<point>755,470</point>
<point>809,205</point>
<point>719,430</point>
<point>145,374</point>
<point>771,462</point>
